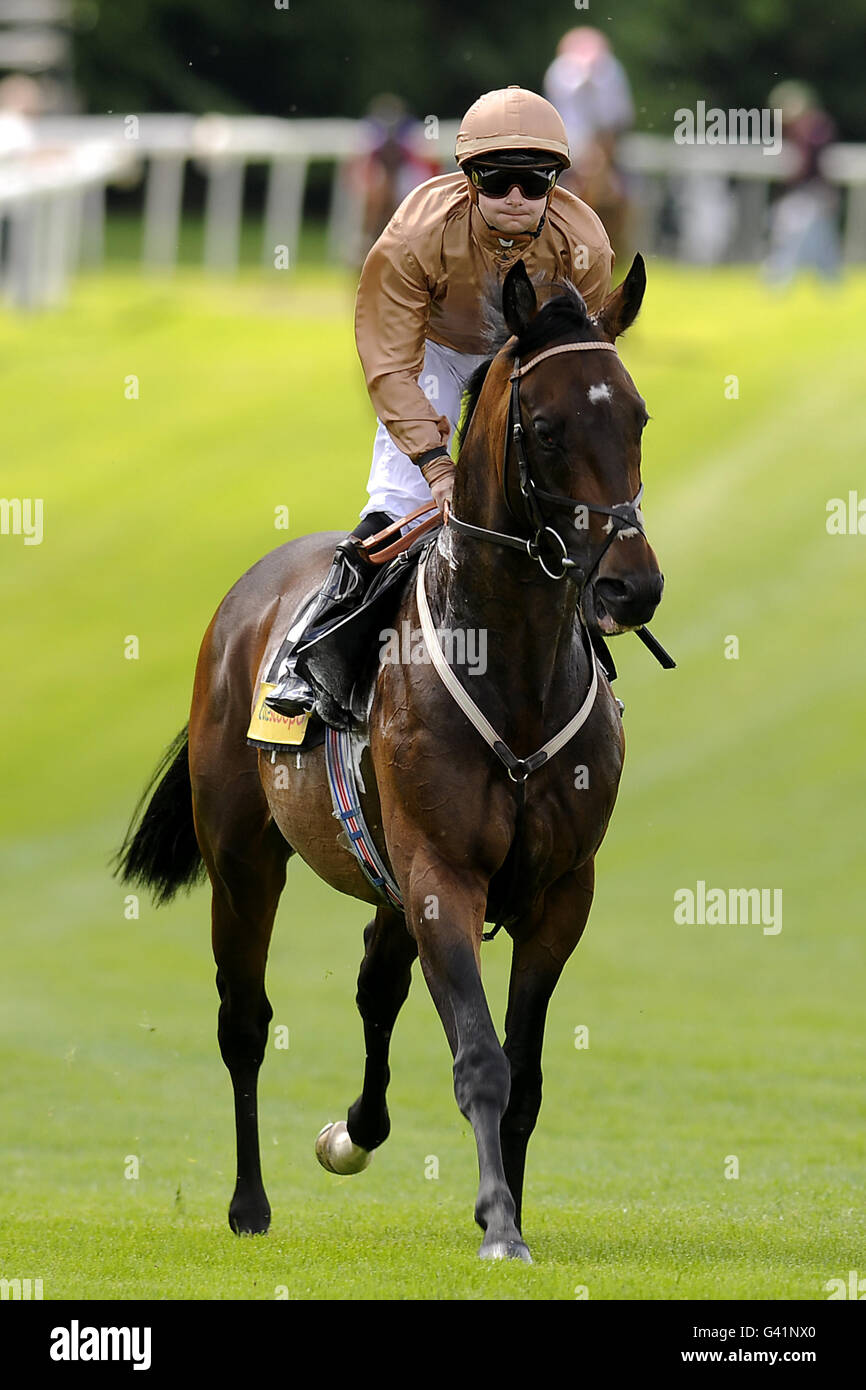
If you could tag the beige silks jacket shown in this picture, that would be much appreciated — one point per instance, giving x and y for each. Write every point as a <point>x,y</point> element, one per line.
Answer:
<point>426,277</point>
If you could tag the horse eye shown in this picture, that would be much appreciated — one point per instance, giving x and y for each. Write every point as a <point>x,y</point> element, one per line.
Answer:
<point>544,435</point>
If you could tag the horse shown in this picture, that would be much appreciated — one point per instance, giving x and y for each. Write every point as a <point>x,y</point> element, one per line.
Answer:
<point>473,831</point>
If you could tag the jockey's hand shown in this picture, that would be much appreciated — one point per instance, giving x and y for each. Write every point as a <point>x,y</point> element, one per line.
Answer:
<point>440,478</point>
<point>443,490</point>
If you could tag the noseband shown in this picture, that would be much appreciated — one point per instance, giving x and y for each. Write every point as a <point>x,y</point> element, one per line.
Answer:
<point>624,516</point>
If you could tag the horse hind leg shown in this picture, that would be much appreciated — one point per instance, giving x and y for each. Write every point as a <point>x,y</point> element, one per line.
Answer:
<point>383,984</point>
<point>246,891</point>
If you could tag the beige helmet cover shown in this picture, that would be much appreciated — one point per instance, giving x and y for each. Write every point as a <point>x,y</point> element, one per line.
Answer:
<point>511,118</point>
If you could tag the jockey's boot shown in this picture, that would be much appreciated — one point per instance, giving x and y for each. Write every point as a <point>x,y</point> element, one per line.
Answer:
<point>344,588</point>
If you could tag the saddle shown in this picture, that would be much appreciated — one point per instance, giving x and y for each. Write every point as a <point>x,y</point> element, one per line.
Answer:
<point>340,659</point>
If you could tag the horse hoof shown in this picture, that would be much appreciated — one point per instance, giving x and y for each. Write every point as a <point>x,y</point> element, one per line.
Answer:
<point>336,1152</point>
<point>250,1223</point>
<point>506,1250</point>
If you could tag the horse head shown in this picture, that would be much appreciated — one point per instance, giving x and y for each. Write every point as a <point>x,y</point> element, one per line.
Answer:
<point>566,420</point>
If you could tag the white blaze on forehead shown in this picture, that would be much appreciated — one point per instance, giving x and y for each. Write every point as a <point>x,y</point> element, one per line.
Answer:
<point>599,393</point>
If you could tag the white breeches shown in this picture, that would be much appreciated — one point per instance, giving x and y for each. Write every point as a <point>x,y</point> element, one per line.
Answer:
<point>396,485</point>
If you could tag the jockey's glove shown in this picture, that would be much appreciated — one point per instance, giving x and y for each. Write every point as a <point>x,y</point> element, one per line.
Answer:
<point>435,465</point>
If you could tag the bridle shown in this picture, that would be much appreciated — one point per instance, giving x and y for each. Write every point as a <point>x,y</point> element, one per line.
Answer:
<point>624,516</point>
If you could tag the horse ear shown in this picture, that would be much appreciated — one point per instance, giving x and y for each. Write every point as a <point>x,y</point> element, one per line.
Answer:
<point>620,309</point>
<point>519,302</point>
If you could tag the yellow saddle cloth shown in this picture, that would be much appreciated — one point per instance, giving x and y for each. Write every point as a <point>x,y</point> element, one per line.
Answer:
<point>268,728</point>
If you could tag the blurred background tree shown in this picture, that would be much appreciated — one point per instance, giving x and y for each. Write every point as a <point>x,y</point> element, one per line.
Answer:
<point>327,57</point>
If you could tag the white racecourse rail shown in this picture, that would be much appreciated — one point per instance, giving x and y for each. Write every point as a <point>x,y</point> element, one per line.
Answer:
<point>54,175</point>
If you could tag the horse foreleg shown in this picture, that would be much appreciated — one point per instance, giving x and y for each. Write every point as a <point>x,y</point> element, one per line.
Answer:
<point>383,984</point>
<point>536,966</point>
<point>447,916</point>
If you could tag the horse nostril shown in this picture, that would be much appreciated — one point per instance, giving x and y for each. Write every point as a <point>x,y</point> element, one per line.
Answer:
<point>614,590</point>
<point>621,597</point>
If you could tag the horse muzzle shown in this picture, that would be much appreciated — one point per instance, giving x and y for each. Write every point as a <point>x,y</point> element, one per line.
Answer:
<point>621,604</point>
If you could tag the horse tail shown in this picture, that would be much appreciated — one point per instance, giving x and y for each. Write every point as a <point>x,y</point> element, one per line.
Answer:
<point>160,851</point>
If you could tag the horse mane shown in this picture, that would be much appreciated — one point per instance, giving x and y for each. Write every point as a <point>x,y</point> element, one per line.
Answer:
<point>563,317</point>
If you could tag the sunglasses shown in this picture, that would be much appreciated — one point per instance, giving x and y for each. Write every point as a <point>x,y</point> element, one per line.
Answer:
<point>494,181</point>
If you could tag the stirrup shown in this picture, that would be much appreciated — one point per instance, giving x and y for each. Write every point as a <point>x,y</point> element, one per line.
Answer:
<point>346,577</point>
<point>292,697</point>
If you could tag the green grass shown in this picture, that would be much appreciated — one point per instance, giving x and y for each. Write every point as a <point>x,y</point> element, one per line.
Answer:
<point>705,1042</point>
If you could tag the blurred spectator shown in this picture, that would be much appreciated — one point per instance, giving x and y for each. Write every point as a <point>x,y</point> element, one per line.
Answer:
<point>706,218</point>
<point>20,101</point>
<point>390,168</point>
<point>804,231</point>
<point>590,89</point>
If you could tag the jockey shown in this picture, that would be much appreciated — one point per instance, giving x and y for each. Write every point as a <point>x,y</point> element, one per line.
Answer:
<point>419,323</point>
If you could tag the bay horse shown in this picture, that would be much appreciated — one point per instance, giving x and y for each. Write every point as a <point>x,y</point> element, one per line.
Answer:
<point>472,830</point>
